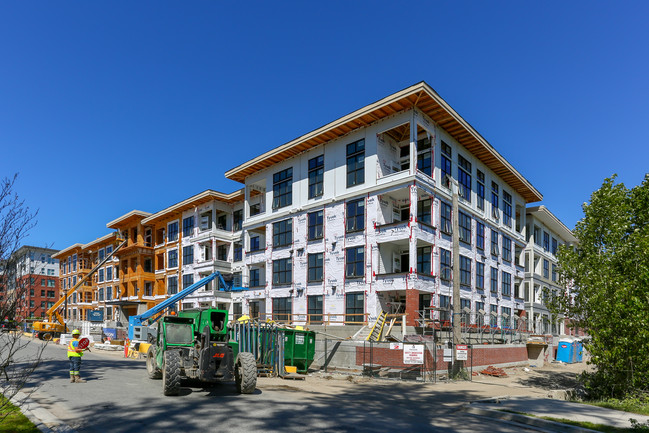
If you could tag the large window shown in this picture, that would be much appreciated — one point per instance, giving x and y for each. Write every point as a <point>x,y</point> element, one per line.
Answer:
<point>100,277</point>
<point>355,262</point>
<point>546,241</point>
<point>172,285</point>
<point>493,317</point>
<point>254,243</point>
<point>315,267</point>
<point>188,280</point>
<point>316,223</point>
<point>314,308</point>
<point>494,242</point>
<point>554,272</point>
<point>507,249</point>
<point>109,273</point>
<point>479,184</point>
<point>355,215</point>
<point>445,308</point>
<point>283,233</point>
<point>282,309</point>
<point>546,268</point>
<point>172,231</point>
<point>424,260</point>
<point>283,188</point>
<point>445,211</point>
<point>172,259</point>
<point>445,166</point>
<point>238,252</point>
<point>506,284</point>
<point>444,264</point>
<point>188,255</point>
<point>554,246</point>
<point>424,159</point>
<point>354,308</point>
<point>188,226</point>
<point>465,227</point>
<point>465,271</point>
<point>479,276</point>
<point>222,252</point>
<point>237,220</point>
<point>507,208</point>
<point>424,211</point>
<point>316,176</point>
<point>494,280</point>
<point>282,272</point>
<point>479,235</point>
<point>206,220</point>
<point>254,278</point>
<point>356,163</point>
<point>494,200</point>
<point>464,178</point>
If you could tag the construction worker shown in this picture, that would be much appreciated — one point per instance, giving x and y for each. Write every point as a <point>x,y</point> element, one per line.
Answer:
<point>74,355</point>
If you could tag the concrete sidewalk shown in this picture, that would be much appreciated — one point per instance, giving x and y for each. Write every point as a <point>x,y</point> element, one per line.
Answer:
<point>546,407</point>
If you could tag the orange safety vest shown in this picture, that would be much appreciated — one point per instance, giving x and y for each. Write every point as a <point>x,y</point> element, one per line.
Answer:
<point>72,349</point>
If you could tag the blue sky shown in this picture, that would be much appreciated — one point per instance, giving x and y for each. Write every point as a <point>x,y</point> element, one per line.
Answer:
<point>107,107</point>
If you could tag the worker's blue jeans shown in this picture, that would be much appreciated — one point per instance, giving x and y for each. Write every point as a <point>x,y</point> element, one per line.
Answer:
<point>75,365</point>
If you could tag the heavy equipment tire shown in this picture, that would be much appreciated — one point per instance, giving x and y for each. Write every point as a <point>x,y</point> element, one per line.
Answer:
<point>245,373</point>
<point>151,365</point>
<point>171,373</point>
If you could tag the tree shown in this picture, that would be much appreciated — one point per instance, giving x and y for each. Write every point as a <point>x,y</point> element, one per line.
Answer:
<point>609,274</point>
<point>16,220</point>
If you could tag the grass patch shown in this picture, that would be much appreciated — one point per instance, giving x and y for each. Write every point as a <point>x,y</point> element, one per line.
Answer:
<point>585,424</point>
<point>12,420</point>
<point>633,405</point>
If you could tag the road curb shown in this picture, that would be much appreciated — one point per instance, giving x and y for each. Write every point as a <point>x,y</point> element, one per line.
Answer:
<point>524,419</point>
<point>43,419</point>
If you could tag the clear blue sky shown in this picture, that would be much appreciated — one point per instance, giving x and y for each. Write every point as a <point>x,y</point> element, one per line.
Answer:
<point>107,107</point>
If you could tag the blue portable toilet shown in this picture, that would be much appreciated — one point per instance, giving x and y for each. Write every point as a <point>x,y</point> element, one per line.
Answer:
<point>566,351</point>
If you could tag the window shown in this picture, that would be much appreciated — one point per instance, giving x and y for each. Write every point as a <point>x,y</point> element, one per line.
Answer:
<point>315,263</point>
<point>479,235</point>
<point>445,167</point>
<point>314,309</point>
<point>74,263</point>
<point>172,259</point>
<point>355,262</point>
<point>283,233</point>
<point>102,256</point>
<point>507,313</point>
<point>354,308</point>
<point>148,265</point>
<point>494,280</point>
<point>494,243</point>
<point>445,264</point>
<point>495,213</point>
<point>546,241</point>
<point>43,293</point>
<point>222,222</point>
<point>50,294</point>
<point>222,252</point>
<point>188,255</point>
<point>546,268</point>
<point>237,220</point>
<point>254,243</point>
<point>109,293</point>
<point>554,272</point>
<point>464,178</point>
<point>109,250</point>
<point>172,285</point>
<point>465,303</point>
<point>188,280</point>
<point>188,226</point>
<point>424,211</point>
<point>537,235</point>
<point>554,246</point>
<point>356,163</point>
<point>206,220</point>
<point>316,176</point>
<point>404,157</point>
<point>283,188</point>
<point>254,278</point>
<point>494,315</point>
<point>507,249</point>
<point>172,231</point>
<point>355,215</point>
<point>479,276</point>
<point>51,283</point>
<point>238,252</point>
<point>109,273</point>
<point>100,294</point>
<point>316,222</point>
<point>445,307</point>
<point>100,276</point>
<point>282,272</point>
<point>424,260</point>
<point>282,309</point>
<point>465,271</point>
<point>50,272</point>
<point>465,227</point>
<point>507,209</point>
<point>31,292</point>
<point>506,284</point>
<point>445,211</point>
<point>424,157</point>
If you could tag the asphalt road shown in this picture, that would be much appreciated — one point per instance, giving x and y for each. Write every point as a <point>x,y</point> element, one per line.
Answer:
<point>119,397</point>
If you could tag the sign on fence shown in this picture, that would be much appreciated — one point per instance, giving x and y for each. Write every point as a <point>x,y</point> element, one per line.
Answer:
<point>413,353</point>
<point>448,354</point>
<point>461,352</point>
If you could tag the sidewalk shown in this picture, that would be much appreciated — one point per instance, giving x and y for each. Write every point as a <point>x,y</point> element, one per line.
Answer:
<point>547,407</point>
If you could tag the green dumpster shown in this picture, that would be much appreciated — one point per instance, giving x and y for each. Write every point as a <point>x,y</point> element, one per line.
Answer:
<point>299,349</point>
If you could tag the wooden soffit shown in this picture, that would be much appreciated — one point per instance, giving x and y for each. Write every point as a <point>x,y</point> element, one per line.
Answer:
<point>191,202</point>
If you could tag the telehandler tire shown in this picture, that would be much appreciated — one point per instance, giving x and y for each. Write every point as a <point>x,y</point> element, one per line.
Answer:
<point>151,365</point>
<point>171,373</point>
<point>245,373</point>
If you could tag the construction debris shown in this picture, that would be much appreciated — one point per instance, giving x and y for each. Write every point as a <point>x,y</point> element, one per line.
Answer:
<point>493,371</point>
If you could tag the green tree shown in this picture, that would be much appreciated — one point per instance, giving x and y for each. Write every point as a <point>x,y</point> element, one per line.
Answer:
<point>608,276</point>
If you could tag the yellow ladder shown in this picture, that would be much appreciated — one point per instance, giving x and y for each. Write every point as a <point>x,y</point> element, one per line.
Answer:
<point>377,329</point>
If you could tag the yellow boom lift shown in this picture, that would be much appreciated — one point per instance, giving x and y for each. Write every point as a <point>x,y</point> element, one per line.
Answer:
<point>54,328</point>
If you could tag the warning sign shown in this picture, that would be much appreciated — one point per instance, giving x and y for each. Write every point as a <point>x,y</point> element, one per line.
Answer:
<point>448,355</point>
<point>461,352</point>
<point>413,353</point>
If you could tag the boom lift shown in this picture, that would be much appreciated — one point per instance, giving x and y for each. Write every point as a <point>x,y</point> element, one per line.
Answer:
<point>51,328</point>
